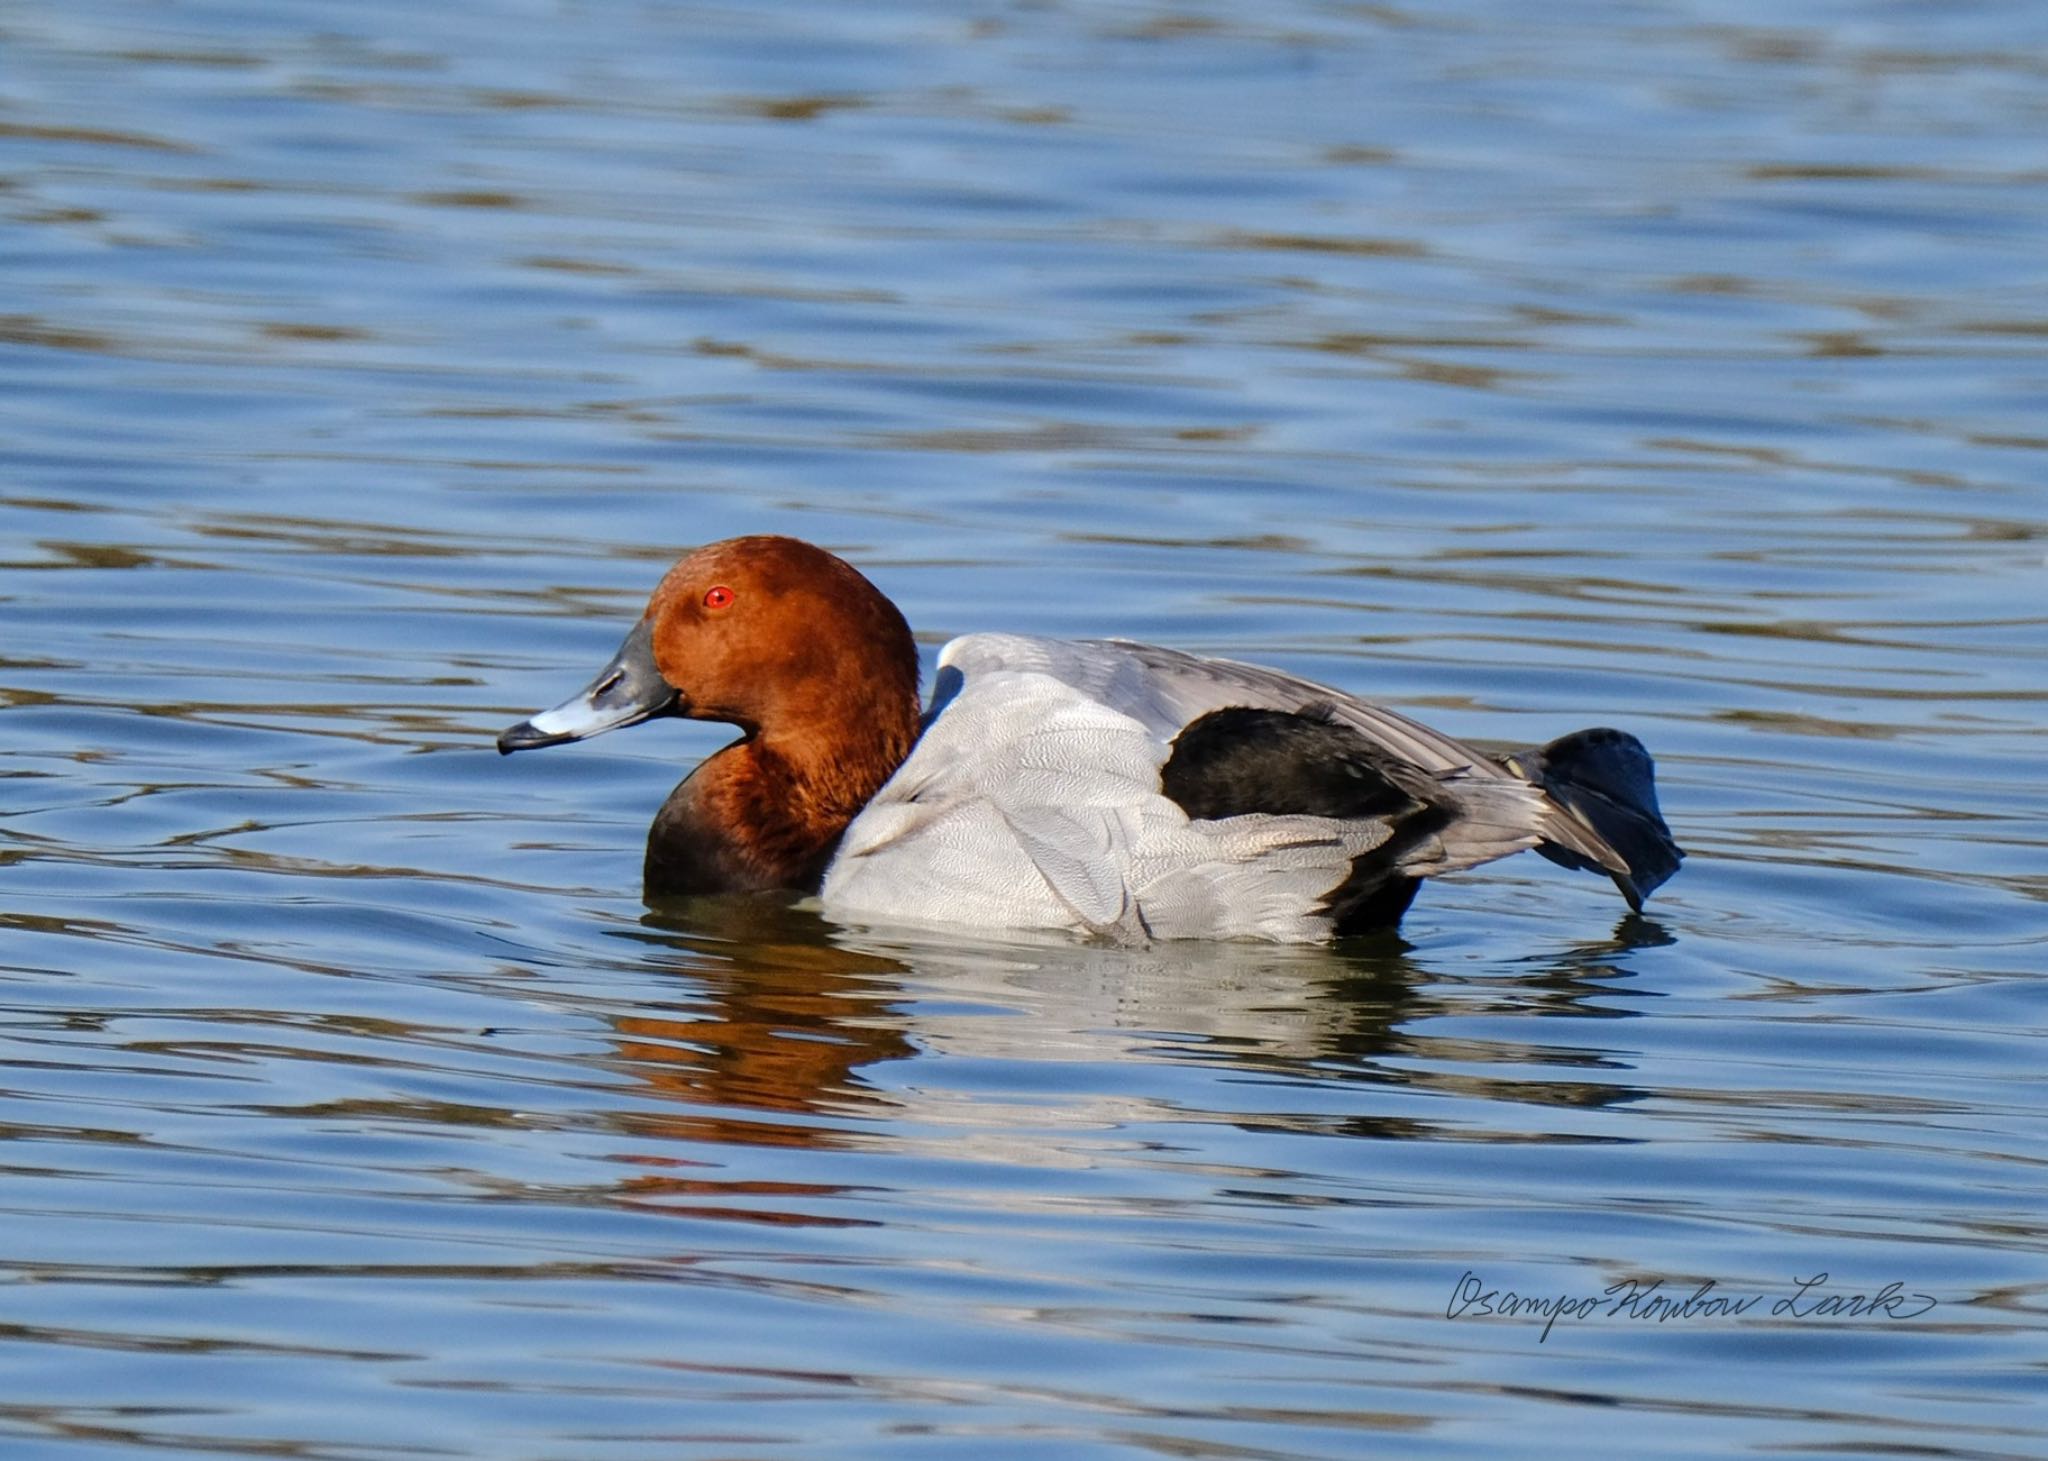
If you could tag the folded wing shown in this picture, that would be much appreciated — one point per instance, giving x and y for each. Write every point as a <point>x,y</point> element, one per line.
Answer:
<point>1034,799</point>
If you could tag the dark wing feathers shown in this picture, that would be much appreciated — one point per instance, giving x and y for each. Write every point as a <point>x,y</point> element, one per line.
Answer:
<point>1190,686</point>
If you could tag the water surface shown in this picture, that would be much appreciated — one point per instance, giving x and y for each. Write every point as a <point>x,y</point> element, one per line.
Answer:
<point>1676,367</point>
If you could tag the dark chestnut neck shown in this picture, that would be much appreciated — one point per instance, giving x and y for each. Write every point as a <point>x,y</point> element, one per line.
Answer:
<point>768,812</point>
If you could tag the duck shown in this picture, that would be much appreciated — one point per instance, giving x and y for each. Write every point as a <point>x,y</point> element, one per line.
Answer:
<point>1102,788</point>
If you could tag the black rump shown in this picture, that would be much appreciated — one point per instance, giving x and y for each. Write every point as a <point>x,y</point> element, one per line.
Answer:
<point>1607,778</point>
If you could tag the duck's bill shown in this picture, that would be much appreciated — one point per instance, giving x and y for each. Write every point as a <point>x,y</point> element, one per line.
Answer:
<point>626,691</point>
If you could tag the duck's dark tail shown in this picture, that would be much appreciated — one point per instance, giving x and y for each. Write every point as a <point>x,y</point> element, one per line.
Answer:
<point>1606,780</point>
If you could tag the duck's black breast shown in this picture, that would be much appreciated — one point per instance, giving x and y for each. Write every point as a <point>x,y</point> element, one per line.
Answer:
<point>1244,759</point>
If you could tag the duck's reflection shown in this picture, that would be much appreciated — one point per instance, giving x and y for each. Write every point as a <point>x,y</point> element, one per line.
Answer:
<point>777,1023</point>
<point>790,1020</point>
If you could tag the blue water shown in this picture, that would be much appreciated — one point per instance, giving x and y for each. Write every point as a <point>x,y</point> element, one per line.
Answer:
<point>361,367</point>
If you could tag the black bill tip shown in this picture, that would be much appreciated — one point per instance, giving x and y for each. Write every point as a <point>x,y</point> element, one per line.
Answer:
<point>526,736</point>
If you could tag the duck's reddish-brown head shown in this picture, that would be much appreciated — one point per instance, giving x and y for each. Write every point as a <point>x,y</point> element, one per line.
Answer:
<point>770,634</point>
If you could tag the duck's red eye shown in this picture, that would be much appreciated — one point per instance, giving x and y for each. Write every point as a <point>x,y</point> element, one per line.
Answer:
<point>717,598</point>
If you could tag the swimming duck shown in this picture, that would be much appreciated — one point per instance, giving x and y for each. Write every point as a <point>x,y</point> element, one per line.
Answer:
<point>1098,786</point>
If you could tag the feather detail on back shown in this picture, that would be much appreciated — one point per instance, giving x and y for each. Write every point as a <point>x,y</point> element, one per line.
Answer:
<point>1033,800</point>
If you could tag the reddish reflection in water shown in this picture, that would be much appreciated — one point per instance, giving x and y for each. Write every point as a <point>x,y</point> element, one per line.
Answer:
<point>778,1028</point>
